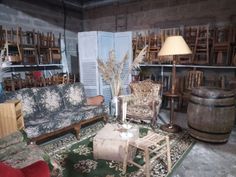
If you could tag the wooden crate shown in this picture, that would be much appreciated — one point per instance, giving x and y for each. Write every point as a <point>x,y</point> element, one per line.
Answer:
<point>11,118</point>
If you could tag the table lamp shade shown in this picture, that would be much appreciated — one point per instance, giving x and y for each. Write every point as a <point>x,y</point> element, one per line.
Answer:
<point>174,45</point>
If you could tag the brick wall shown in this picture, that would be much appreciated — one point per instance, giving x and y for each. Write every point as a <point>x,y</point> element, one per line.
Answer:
<point>146,14</point>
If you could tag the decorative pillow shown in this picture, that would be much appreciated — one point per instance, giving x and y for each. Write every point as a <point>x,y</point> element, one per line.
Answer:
<point>73,95</point>
<point>49,99</point>
<point>8,171</point>
<point>26,95</point>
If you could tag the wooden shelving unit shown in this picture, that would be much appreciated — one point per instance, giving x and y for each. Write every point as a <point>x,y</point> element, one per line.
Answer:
<point>160,71</point>
<point>11,117</point>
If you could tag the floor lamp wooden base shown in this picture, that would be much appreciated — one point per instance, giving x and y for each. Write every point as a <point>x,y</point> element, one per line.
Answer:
<point>171,128</point>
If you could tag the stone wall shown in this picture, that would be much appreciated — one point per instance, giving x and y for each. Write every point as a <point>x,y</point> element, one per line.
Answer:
<point>148,14</point>
<point>43,18</point>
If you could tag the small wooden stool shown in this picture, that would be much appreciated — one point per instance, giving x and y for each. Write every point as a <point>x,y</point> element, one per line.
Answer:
<point>152,143</point>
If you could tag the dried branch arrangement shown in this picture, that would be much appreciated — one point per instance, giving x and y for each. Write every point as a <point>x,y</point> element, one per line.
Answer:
<point>112,72</point>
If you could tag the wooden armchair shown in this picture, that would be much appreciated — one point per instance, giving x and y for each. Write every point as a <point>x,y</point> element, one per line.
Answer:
<point>144,102</point>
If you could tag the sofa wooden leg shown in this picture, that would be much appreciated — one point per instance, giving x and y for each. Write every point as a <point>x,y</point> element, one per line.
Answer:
<point>105,118</point>
<point>77,131</point>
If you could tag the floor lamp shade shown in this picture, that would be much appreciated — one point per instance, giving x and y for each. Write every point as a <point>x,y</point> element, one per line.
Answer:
<point>174,45</point>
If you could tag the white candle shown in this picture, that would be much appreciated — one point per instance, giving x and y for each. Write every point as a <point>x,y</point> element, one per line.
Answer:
<point>124,111</point>
<point>116,102</point>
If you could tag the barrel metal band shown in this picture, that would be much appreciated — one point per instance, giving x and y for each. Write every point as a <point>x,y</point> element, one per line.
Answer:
<point>208,132</point>
<point>217,97</point>
<point>216,106</point>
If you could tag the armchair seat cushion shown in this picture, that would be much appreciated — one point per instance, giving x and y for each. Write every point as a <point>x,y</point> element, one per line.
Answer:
<point>141,111</point>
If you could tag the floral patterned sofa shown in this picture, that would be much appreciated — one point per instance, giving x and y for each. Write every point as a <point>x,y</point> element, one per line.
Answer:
<point>15,151</point>
<point>51,110</point>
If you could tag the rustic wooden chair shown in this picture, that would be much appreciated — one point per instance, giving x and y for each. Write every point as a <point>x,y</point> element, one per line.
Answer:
<point>139,43</point>
<point>153,146</point>
<point>54,49</point>
<point>28,47</point>
<point>202,45</point>
<point>144,102</point>
<point>11,39</point>
<point>192,79</point>
<point>43,48</point>
<point>154,46</point>
<point>221,45</point>
<point>233,47</point>
<point>190,36</point>
<point>9,84</point>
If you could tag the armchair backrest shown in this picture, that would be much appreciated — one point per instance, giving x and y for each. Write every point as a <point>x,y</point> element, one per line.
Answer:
<point>145,91</point>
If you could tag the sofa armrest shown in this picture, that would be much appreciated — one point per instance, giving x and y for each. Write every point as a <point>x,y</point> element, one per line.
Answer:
<point>96,100</point>
<point>11,144</point>
<point>11,139</point>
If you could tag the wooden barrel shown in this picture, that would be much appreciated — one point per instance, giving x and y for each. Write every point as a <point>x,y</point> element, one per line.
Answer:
<point>211,114</point>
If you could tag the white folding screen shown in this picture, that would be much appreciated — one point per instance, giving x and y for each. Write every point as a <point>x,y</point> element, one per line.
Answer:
<point>123,45</point>
<point>88,52</point>
<point>97,44</point>
<point>105,44</point>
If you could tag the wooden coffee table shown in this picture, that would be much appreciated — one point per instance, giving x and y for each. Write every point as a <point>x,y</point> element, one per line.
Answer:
<point>111,140</point>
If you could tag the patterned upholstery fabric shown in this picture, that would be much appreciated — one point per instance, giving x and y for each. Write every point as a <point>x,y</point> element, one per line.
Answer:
<point>51,108</point>
<point>145,95</point>
<point>73,95</point>
<point>15,152</point>
<point>49,99</point>
<point>27,98</point>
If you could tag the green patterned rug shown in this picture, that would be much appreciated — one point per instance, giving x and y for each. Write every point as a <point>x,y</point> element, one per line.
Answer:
<point>76,157</point>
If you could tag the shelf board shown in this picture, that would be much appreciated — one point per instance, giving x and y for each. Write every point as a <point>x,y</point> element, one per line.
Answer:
<point>188,66</point>
<point>14,68</point>
<point>44,65</point>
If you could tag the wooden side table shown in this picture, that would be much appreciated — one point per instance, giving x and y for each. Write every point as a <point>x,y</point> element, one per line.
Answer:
<point>172,128</point>
<point>11,117</point>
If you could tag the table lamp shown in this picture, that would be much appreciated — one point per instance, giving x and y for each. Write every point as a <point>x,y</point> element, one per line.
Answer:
<point>173,46</point>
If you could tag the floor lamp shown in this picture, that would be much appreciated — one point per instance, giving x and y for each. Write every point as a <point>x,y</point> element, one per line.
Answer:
<point>173,46</point>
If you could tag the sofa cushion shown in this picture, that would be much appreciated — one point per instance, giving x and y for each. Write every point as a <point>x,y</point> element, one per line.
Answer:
<point>73,95</point>
<point>47,123</point>
<point>88,111</point>
<point>42,123</point>
<point>26,95</point>
<point>48,99</point>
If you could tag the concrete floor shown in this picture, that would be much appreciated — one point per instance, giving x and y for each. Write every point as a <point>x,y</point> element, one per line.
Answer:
<point>205,159</point>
